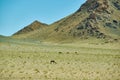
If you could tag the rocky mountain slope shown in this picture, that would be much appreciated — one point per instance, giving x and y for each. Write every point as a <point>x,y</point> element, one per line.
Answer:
<point>95,18</point>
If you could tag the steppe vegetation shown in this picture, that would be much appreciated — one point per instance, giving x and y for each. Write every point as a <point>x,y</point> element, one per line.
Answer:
<point>83,60</point>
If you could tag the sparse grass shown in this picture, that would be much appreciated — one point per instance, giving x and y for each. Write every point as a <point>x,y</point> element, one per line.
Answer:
<point>75,61</point>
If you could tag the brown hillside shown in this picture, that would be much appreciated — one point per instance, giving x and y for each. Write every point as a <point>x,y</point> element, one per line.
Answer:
<point>32,27</point>
<point>95,18</point>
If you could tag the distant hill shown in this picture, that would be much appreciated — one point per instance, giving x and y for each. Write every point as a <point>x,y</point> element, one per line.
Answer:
<point>32,27</point>
<point>95,18</point>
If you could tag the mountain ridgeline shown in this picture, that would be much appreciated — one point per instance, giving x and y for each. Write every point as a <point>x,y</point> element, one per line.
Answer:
<point>95,18</point>
<point>32,27</point>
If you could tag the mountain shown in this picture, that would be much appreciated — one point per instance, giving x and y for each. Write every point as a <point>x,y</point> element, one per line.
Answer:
<point>94,19</point>
<point>32,27</point>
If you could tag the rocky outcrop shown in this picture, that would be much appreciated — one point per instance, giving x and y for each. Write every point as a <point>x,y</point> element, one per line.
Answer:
<point>117,5</point>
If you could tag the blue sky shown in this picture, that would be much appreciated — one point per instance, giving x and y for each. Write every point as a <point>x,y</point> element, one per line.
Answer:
<point>16,14</point>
